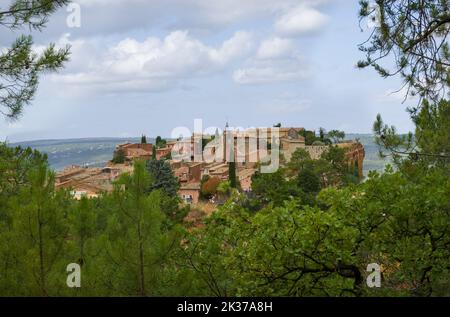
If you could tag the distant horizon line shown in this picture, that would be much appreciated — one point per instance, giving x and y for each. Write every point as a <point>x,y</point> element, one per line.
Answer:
<point>118,138</point>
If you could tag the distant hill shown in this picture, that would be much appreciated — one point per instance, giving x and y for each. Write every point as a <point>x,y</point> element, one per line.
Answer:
<point>96,152</point>
<point>90,152</point>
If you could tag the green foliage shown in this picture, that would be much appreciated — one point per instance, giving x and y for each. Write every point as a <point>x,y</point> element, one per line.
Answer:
<point>205,141</point>
<point>322,133</point>
<point>291,247</point>
<point>163,177</point>
<point>309,181</point>
<point>397,227</point>
<point>432,131</point>
<point>160,142</point>
<point>303,178</point>
<point>421,57</point>
<point>333,166</point>
<point>300,159</point>
<point>34,237</point>
<point>430,144</point>
<point>15,164</point>
<point>325,252</point>
<point>310,136</point>
<point>121,240</point>
<point>309,230</point>
<point>412,235</point>
<point>224,188</point>
<point>134,235</point>
<point>33,14</point>
<point>165,181</point>
<point>336,135</point>
<point>232,174</point>
<point>274,188</point>
<point>83,226</point>
<point>323,138</point>
<point>143,139</point>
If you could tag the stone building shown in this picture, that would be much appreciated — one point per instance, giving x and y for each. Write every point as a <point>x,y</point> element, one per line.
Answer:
<point>188,171</point>
<point>163,152</point>
<point>244,177</point>
<point>90,182</point>
<point>136,150</point>
<point>288,145</point>
<point>246,147</point>
<point>190,192</point>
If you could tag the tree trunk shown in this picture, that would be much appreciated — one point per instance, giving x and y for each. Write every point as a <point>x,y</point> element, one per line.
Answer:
<point>141,263</point>
<point>41,256</point>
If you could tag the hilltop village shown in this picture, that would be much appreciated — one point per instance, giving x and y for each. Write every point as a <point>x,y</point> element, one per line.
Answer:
<point>91,182</point>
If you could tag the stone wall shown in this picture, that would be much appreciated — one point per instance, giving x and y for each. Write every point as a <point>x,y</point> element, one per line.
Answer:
<point>316,151</point>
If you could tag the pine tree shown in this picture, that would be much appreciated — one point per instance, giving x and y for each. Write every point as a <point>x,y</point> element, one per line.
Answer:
<point>163,177</point>
<point>82,221</point>
<point>135,244</point>
<point>322,134</point>
<point>160,142</point>
<point>40,227</point>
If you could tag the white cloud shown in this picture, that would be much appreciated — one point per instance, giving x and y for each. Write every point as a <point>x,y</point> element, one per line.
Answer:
<point>271,72</point>
<point>199,17</point>
<point>218,11</point>
<point>275,48</point>
<point>275,61</point>
<point>155,63</point>
<point>202,16</point>
<point>160,63</point>
<point>301,20</point>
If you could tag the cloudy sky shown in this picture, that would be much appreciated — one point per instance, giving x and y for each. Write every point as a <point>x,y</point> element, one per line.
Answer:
<point>148,66</point>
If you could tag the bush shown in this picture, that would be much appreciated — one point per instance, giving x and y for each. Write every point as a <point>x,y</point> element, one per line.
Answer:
<point>119,157</point>
<point>209,188</point>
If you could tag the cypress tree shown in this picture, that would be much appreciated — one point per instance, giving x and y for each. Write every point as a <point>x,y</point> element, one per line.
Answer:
<point>232,174</point>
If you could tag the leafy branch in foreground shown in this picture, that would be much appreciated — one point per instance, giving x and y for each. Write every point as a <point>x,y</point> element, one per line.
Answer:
<point>431,141</point>
<point>32,13</point>
<point>411,37</point>
<point>20,65</point>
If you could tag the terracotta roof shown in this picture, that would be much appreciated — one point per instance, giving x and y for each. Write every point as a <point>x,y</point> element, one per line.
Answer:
<point>125,145</point>
<point>138,152</point>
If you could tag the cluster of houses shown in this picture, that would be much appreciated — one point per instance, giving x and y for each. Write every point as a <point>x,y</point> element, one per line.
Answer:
<point>144,150</point>
<point>89,181</point>
<point>190,172</point>
<point>92,181</point>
